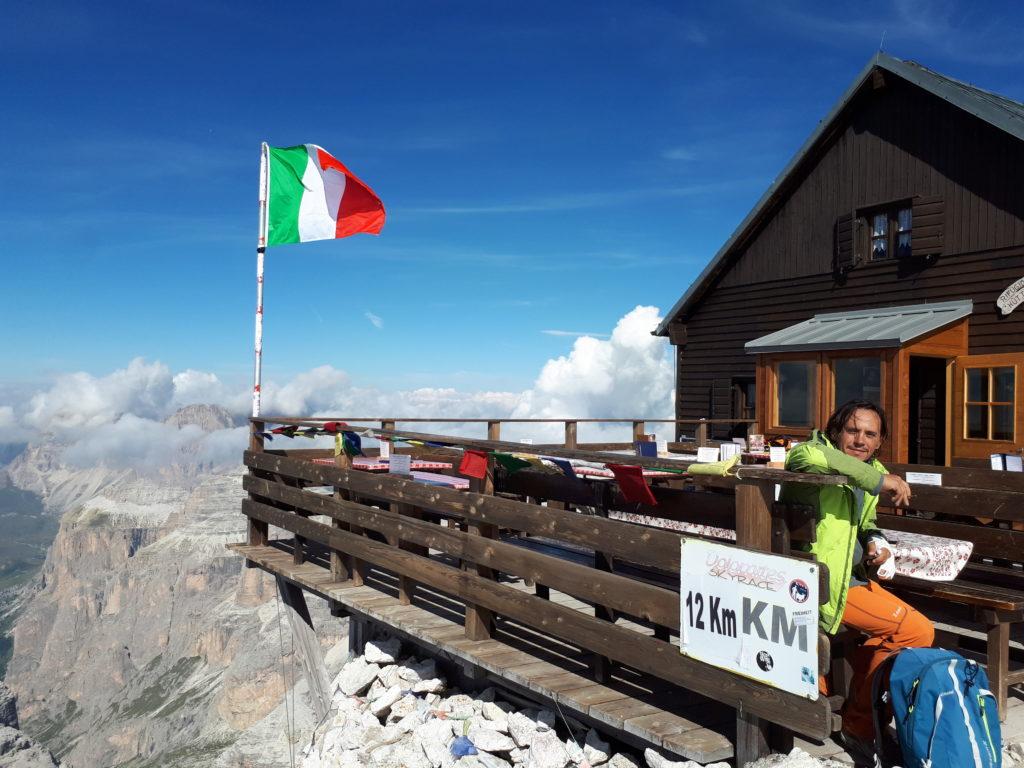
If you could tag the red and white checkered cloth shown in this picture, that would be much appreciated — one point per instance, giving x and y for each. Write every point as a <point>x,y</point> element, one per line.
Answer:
<point>381,465</point>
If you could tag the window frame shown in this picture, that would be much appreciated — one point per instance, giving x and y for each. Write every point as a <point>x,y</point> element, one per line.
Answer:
<point>979,447</point>
<point>891,211</point>
<point>989,404</point>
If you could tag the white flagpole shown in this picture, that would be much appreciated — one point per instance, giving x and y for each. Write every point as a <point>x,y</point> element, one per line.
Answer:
<point>261,247</point>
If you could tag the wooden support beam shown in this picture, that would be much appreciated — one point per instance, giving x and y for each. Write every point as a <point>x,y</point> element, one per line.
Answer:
<point>998,666</point>
<point>257,532</point>
<point>571,434</point>
<point>307,645</point>
<point>701,434</point>
<point>479,620</point>
<point>754,502</point>
<point>638,431</point>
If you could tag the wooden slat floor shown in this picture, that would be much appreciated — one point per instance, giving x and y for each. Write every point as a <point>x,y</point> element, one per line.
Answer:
<point>640,708</point>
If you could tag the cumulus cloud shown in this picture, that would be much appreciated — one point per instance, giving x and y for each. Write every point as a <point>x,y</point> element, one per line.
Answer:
<point>375,320</point>
<point>118,419</point>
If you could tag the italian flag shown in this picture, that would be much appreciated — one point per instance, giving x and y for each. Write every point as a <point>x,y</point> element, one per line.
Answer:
<point>312,196</point>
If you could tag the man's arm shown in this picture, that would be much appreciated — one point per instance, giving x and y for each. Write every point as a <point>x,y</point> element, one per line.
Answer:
<point>823,460</point>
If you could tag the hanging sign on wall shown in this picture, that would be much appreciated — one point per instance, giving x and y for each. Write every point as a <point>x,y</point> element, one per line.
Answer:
<point>1011,298</point>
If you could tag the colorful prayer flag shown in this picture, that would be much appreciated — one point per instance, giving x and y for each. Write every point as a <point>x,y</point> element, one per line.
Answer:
<point>473,464</point>
<point>510,462</point>
<point>312,196</point>
<point>631,482</point>
<point>563,464</point>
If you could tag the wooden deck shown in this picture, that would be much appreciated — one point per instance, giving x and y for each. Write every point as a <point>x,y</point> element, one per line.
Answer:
<point>636,707</point>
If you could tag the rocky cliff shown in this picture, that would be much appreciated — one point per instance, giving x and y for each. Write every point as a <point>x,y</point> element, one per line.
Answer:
<point>146,643</point>
<point>16,749</point>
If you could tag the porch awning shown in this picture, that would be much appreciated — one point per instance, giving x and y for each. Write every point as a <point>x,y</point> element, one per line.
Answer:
<point>862,328</point>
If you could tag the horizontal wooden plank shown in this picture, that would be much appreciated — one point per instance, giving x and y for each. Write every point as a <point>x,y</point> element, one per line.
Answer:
<point>635,598</point>
<point>960,477</point>
<point>966,502</point>
<point>659,548</point>
<point>647,654</point>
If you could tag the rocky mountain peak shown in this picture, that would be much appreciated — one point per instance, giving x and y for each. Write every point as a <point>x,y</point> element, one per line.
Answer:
<point>207,417</point>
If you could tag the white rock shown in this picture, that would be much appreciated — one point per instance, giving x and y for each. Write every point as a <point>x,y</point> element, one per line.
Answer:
<point>493,711</point>
<point>657,760</point>
<point>431,685</point>
<point>382,651</point>
<point>434,736</point>
<point>517,755</point>
<point>406,705</point>
<point>595,750</point>
<point>493,725</point>
<point>623,760</point>
<point>381,705</point>
<point>376,689</point>
<point>458,706</point>
<point>547,751</point>
<point>412,721</point>
<point>388,675</point>
<point>404,754</point>
<point>413,672</point>
<point>488,760</point>
<point>356,676</point>
<point>574,751</point>
<point>521,728</point>
<point>489,740</point>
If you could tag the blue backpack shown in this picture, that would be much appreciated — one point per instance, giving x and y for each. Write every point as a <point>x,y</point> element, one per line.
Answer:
<point>945,714</point>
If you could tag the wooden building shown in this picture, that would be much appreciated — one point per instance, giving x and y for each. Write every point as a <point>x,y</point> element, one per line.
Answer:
<point>872,268</point>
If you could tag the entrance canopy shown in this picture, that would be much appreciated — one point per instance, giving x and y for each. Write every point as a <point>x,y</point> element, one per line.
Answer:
<point>862,328</point>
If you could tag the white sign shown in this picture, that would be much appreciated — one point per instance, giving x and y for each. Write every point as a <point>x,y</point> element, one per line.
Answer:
<point>385,448</point>
<point>924,478</point>
<point>728,450</point>
<point>400,464</point>
<point>1014,463</point>
<point>751,613</point>
<point>662,447</point>
<point>777,455</point>
<point>1011,298</point>
<point>707,455</point>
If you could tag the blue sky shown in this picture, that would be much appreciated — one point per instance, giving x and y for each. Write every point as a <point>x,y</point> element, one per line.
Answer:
<point>545,166</point>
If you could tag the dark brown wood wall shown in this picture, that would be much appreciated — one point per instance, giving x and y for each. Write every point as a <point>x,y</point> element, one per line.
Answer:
<point>897,142</point>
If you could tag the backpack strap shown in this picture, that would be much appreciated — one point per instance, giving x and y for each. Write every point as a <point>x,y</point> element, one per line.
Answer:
<point>879,699</point>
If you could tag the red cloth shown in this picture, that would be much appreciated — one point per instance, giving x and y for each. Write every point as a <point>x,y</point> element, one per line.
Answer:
<point>473,464</point>
<point>631,481</point>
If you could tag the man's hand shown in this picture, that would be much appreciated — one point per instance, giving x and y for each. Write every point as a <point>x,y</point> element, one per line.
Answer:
<point>875,555</point>
<point>898,489</point>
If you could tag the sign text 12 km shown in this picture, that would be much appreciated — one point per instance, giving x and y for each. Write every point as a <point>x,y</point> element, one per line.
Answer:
<point>751,613</point>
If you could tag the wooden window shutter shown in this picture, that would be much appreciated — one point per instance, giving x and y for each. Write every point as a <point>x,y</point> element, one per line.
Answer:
<point>927,224</point>
<point>845,257</point>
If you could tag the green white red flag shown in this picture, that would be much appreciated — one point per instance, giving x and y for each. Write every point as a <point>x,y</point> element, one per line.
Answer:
<point>312,196</point>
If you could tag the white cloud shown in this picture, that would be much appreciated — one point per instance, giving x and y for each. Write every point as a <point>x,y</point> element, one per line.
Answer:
<point>375,320</point>
<point>679,154</point>
<point>118,419</point>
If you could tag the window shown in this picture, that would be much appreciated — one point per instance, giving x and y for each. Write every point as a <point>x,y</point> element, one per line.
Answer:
<point>857,378</point>
<point>989,403</point>
<point>795,393</point>
<point>889,230</point>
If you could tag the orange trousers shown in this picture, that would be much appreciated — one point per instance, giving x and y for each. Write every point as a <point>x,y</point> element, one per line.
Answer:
<point>891,624</point>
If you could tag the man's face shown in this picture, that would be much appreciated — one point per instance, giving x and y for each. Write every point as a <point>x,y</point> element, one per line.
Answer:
<point>862,435</point>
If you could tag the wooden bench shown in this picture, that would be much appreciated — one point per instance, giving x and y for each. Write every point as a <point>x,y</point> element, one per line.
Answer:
<point>409,546</point>
<point>990,587</point>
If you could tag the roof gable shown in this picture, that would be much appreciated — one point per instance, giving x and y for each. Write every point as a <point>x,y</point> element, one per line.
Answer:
<point>1001,112</point>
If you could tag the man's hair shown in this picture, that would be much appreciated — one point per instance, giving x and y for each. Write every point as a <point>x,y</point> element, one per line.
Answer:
<point>837,421</point>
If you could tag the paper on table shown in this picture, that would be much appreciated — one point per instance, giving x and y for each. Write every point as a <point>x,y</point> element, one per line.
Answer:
<point>777,454</point>
<point>924,478</point>
<point>707,455</point>
<point>400,464</point>
<point>728,450</point>
<point>1014,463</point>
<point>385,448</point>
<point>996,460</point>
<point>662,446</point>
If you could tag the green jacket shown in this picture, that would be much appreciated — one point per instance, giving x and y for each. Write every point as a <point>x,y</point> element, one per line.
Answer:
<point>846,514</point>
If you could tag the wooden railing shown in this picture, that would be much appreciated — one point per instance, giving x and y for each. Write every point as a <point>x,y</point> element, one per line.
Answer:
<point>387,522</point>
<point>700,427</point>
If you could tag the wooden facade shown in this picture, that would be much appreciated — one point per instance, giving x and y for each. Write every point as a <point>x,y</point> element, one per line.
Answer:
<point>891,143</point>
